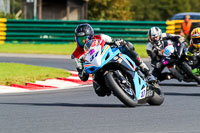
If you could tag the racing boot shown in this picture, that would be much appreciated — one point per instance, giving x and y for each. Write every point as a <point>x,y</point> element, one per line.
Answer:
<point>82,74</point>
<point>128,49</point>
<point>145,70</point>
<point>100,88</point>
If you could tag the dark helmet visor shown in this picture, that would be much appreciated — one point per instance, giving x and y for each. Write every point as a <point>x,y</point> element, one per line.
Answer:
<point>81,40</point>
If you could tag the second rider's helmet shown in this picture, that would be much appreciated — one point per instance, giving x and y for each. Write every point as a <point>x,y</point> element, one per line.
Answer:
<point>154,35</point>
<point>83,32</point>
<point>195,37</point>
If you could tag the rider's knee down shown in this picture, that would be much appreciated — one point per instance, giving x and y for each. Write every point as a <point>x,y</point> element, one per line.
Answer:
<point>100,89</point>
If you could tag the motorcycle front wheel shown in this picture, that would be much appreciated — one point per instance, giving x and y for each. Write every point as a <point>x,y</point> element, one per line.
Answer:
<point>125,95</point>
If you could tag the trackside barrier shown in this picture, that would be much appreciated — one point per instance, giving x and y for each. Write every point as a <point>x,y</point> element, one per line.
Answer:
<point>2,30</point>
<point>60,32</point>
<point>174,26</point>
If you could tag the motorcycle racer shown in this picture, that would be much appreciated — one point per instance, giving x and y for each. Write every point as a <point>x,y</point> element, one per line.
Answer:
<point>85,32</point>
<point>194,50</point>
<point>155,46</point>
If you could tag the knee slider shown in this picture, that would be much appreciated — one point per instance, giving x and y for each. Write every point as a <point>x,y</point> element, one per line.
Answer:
<point>100,91</point>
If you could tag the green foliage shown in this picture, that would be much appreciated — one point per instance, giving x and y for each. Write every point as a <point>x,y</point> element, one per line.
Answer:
<point>159,9</point>
<point>194,5</point>
<point>139,9</point>
<point>8,15</point>
<point>15,6</point>
<point>109,10</point>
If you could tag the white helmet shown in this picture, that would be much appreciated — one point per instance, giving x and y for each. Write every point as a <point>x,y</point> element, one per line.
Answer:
<point>154,35</point>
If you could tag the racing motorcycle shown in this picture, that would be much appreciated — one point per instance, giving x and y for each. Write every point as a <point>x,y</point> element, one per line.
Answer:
<point>179,67</point>
<point>120,74</point>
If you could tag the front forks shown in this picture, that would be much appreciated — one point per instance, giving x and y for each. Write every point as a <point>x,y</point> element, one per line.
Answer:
<point>122,79</point>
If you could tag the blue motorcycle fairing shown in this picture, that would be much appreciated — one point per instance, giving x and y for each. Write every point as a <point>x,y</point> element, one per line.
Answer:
<point>139,83</point>
<point>108,54</point>
<point>137,80</point>
<point>113,57</point>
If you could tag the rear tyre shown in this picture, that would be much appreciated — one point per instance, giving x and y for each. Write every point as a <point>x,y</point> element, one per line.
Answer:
<point>158,97</point>
<point>187,69</point>
<point>120,93</point>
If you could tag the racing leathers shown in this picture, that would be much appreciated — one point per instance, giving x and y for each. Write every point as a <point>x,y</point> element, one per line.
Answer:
<point>193,54</point>
<point>154,51</point>
<point>125,47</point>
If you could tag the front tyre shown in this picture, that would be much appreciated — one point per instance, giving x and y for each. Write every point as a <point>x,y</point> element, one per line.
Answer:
<point>128,98</point>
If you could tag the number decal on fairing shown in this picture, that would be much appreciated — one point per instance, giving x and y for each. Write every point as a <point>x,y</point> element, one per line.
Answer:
<point>94,55</point>
<point>143,93</point>
<point>140,86</point>
<point>91,58</point>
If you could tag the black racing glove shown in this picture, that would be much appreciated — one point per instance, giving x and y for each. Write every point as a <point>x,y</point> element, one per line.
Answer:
<point>192,60</point>
<point>119,42</point>
<point>82,74</point>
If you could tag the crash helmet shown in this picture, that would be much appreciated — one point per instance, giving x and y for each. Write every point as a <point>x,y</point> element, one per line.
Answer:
<point>154,35</point>
<point>195,37</point>
<point>83,33</point>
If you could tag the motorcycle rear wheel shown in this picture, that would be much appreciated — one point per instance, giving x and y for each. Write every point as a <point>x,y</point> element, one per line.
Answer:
<point>158,97</point>
<point>123,96</point>
<point>187,69</point>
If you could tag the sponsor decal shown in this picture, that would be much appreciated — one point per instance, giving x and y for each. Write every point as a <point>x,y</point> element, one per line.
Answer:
<point>149,93</point>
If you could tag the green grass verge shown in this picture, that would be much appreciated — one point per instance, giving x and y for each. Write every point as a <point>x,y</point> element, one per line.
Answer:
<point>141,50</point>
<point>60,49</point>
<point>21,73</point>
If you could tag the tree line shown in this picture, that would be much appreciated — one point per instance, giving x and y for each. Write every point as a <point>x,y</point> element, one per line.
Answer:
<point>159,10</point>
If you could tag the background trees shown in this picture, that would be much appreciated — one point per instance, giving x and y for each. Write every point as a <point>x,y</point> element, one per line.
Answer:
<point>110,10</point>
<point>139,9</point>
<point>126,9</point>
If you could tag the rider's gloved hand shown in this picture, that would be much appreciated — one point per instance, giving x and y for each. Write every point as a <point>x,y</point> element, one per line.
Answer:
<point>158,65</point>
<point>82,74</point>
<point>192,60</point>
<point>160,53</point>
<point>119,42</point>
<point>181,39</point>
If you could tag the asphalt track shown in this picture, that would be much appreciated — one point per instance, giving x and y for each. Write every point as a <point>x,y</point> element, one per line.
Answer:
<point>79,110</point>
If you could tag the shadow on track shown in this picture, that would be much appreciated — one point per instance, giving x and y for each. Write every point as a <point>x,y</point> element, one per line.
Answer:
<point>71,105</point>
<point>75,105</point>
<point>181,94</point>
<point>181,85</point>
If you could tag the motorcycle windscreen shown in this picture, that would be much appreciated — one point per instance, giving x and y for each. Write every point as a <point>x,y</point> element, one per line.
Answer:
<point>94,56</point>
<point>93,60</point>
